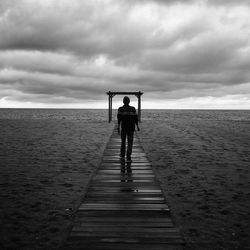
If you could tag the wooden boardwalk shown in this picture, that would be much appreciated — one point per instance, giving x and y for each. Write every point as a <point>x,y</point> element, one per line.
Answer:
<point>124,207</point>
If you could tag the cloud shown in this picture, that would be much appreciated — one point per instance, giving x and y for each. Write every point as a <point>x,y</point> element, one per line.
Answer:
<point>228,2</point>
<point>74,51</point>
<point>212,2</point>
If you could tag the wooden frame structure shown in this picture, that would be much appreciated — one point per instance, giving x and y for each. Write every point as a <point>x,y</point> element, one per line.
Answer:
<point>112,94</point>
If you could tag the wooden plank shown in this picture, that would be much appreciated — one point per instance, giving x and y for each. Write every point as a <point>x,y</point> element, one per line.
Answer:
<point>124,194</point>
<point>125,174</point>
<point>101,177</point>
<point>125,180</point>
<point>133,164</point>
<point>119,167</point>
<point>122,163</point>
<point>118,145</point>
<point>133,222</point>
<point>134,160</point>
<point>132,167</point>
<point>115,206</point>
<point>133,227</point>
<point>127,199</point>
<point>123,213</point>
<point>143,220</point>
<point>124,177</point>
<point>130,196</point>
<point>126,170</point>
<point>124,207</point>
<point>125,185</point>
<point>135,155</point>
<point>118,159</point>
<point>116,243</point>
<point>107,171</point>
<point>144,235</point>
<point>136,178</point>
<point>121,178</point>
<point>121,190</point>
<point>136,198</point>
<point>127,230</point>
<point>100,245</point>
<point>135,150</point>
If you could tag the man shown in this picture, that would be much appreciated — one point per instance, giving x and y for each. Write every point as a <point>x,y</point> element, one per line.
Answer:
<point>127,118</point>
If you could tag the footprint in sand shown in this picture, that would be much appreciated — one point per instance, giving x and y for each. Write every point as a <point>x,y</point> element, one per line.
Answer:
<point>67,185</point>
<point>54,229</point>
<point>36,204</point>
<point>225,212</point>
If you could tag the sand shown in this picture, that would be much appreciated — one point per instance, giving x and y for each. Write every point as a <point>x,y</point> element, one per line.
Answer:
<point>45,168</point>
<point>202,165</point>
<point>204,169</point>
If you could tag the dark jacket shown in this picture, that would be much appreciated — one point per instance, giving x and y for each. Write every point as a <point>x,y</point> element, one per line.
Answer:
<point>128,118</point>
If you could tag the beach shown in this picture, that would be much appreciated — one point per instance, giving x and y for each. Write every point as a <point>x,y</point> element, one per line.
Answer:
<point>201,160</point>
<point>46,165</point>
<point>203,167</point>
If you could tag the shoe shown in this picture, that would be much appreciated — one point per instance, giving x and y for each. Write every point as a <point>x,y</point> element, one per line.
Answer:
<point>129,159</point>
<point>122,158</point>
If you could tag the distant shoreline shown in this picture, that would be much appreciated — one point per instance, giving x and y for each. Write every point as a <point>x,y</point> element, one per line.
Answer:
<point>115,109</point>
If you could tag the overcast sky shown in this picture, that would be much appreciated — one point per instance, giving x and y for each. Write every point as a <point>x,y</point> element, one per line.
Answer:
<point>181,54</point>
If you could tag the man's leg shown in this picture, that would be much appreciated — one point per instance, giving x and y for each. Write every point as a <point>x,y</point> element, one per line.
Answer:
<point>130,144</point>
<point>123,143</point>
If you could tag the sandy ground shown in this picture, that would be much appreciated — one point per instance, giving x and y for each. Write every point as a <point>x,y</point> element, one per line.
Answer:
<point>204,169</point>
<point>45,168</point>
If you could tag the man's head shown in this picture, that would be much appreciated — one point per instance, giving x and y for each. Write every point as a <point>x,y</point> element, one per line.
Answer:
<point>126,100</point>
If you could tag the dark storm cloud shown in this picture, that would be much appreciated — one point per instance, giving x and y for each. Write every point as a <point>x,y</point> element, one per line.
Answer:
<point>212,2</point>
<point>77,50</point>
<point>37,62</point>
<point>80,29</point>
<point>229,2</point>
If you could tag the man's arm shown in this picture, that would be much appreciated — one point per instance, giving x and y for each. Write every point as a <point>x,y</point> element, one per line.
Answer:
<point>136,121</point>
<point>118,120</point>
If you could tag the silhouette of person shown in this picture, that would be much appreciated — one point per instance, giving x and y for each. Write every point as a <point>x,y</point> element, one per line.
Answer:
<point>127,119</point>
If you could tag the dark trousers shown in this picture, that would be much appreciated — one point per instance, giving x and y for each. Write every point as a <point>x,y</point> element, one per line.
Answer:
<point>130,136</point>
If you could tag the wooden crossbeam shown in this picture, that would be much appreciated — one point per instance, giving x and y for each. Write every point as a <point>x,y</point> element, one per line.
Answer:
<point>111,94</point>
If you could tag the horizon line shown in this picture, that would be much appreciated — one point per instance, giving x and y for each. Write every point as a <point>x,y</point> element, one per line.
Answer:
<point>141,109</point>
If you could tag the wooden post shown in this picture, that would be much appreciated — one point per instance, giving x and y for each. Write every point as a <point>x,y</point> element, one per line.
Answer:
<point>109,107</point>
<point>111,97</point>
<point>139,108</point>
